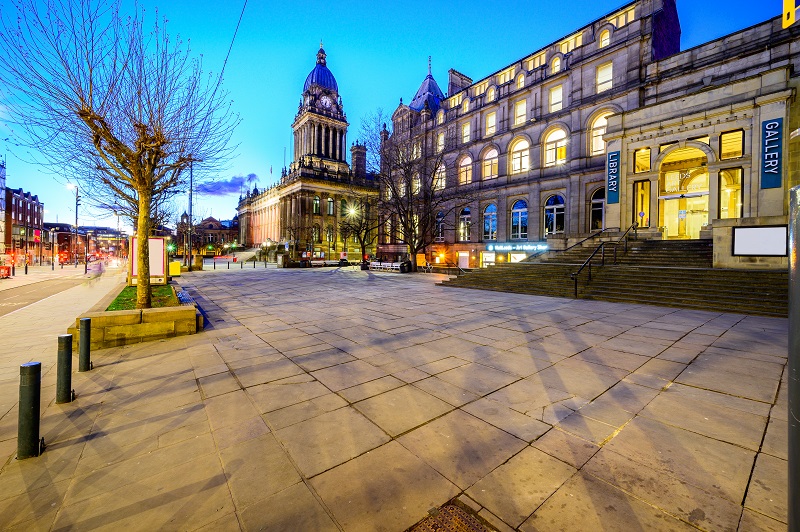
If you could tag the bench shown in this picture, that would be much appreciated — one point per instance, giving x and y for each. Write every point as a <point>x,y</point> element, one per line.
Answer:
<point>385,266</point>
<point>324,263</point>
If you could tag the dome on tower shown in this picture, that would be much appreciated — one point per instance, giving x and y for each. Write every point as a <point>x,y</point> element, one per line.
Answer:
<point>429,92</point>
<point>321,75</point>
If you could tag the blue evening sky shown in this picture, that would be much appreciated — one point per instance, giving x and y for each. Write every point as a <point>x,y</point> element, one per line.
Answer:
<point>377,52</point>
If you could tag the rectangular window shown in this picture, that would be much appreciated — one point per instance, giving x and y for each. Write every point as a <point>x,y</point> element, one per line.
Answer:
<point>439,178</point>
<point>641,161</point>
<point>490,168</point>
<point>465,132</point>
<point>604,77</point>
<point>641,203</point>
<point>520,112</point>
<point>535,61</point>
<point>480,88</point>
<point>704,139</point>
<point>455,101</point>
<point>566,46</point>
<point>491,123</point>
<point>555,99</point>
<point>731,144</point>
<point>440,142</point>
<point>666,146</point>
<point>505,76</point>
<point>730,193</point>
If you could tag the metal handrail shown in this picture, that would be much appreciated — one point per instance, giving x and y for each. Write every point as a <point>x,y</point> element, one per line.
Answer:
<point>602,248</point>
<point>593,235</point>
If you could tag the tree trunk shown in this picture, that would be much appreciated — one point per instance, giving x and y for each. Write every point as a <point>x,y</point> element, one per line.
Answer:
<point>143,299</point>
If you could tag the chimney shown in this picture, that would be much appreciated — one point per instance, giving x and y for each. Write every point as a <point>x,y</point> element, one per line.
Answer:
<point>358,158</point>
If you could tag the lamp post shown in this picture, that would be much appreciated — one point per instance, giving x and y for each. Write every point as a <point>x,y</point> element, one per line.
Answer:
<point>77,202</point>
<point>52,250</point>
<point>86,255</point>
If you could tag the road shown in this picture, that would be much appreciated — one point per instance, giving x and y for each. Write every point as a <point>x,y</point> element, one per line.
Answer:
<point>22,296</point>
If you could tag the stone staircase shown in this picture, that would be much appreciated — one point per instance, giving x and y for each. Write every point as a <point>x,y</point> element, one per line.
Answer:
<point>668,273</point>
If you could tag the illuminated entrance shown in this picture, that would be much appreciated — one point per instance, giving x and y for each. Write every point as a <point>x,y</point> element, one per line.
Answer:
<point>683,194</point>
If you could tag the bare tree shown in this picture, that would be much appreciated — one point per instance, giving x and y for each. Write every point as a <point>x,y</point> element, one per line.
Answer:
<point>360,220</point>
<point>411,169</point>
<point>121,109</point>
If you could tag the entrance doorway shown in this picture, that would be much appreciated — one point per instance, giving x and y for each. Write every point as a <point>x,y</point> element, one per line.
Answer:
<point>683,194</point>
<point>463,259</point>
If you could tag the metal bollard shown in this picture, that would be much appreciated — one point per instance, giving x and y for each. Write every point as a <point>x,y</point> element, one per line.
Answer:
<point>64,392</point>
<point>254,264</point>
<point>85,345</point>
<point>794,360</point>
<point>215,264</point>
<point>241,265</point>
<point>229,265</point>
<point>30,391</point>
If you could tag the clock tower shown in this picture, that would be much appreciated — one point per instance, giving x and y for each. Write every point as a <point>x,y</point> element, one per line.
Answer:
<point>320,127</point>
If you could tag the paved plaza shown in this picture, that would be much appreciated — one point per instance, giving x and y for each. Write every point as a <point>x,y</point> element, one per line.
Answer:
<point>340,399</point>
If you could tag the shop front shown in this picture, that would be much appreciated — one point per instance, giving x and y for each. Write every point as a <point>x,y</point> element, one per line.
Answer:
<point>501,252</point>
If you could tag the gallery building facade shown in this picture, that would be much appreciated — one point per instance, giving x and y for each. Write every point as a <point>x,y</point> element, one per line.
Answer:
<point>304,210</point>
<point>613,125</point>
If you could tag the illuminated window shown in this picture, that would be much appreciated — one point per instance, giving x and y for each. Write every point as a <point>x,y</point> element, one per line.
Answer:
<point>505,76</point>
<point>480,88</point>
<point>490,94</point>
<point>520,112</point>
<point>730,193</point>
<point>641,161</point>
<point>598,129</point>
<point>535,61</point>
<point>490,222</point>
<point>440,142</point>
<point>705,139</point>
<point>604,77</point>
<point>489,164</point>
<point>554,215</point>
<point>520,156</point>
<point>663,147</point>
<point>621,19</point>
<point>520,81</point>
<point>455,101</point>
<point>556,99</point>
<point>464,225</point>
<point>416,184</point>
<point>330,206</point>
<point>731,144</point>
<point>555,148</point>
<point>465,105</point>
<point>416,150</point>
<point>604,39</point>
<point>491,122</point>
<point>465,132</point>
<point>519,220</point>
<point>440,117</point>
<point>571,43</point>
<point>465,171</point>
<point>555,66</point>
<point>440,177</point>
<point>598,210</point>
<point>316,204</point>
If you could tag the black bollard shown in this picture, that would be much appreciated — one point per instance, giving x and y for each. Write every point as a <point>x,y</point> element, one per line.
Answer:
<point>30,391</point>
<point>241,265</point>
<point>229,265</point>
<point>215,264</point>
<point>26,267</point>
<point>85,345</point>
<point>13,270</point>
<point>64,393</point>
<point>254,264</point>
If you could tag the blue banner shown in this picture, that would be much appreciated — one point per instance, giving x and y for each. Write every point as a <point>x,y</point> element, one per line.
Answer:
<point>771,153</point>
<point>612,181</point>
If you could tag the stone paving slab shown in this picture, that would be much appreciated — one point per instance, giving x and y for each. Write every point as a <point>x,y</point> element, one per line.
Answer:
<point>542,413</point>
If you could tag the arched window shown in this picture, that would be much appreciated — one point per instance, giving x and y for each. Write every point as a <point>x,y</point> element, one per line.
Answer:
<point>440,177</point>
<point>604,39</point>
<point>490,222</point>
<point>519,220</point>
<point>554,215</point>
<point>490,164</point>
<point>597,130</point>
<point>440,117</point>
<point>520,156</point>
<point>555,148</point>
<point>490,94</point>
<point>465,105</point>
<point>343,207</point>
<point>555,65</point>
<point>464,224</point>
<point>520,81</point>
<point>316,204</point>
<point>597,216</point>
<point>330,206</point>
<point>439,234</point>
<point>465,171</point>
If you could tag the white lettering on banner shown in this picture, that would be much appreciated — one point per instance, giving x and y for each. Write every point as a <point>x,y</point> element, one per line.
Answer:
<point>612,175</point>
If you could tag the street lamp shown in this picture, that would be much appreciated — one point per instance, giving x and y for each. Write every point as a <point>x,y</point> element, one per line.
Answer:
<point>77,202</point>
<point>52,249</point>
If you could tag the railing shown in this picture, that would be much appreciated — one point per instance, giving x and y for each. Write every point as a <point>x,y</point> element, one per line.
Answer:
<point>602,249</point>
<point>540,253</point>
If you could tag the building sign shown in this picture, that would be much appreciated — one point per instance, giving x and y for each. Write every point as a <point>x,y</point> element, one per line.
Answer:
<point>771,153</point>
<point>516,247</point>
<point>612,183</point>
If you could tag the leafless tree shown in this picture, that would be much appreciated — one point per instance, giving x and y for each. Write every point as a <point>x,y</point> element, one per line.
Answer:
<point>411,169</point>
<point>360,220</point>
<point>122,109</point>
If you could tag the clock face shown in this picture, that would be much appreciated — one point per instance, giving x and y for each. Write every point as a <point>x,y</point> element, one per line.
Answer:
<point>326,102</point>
